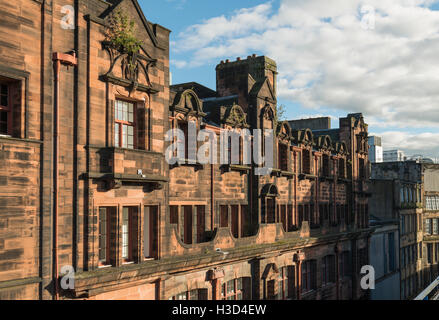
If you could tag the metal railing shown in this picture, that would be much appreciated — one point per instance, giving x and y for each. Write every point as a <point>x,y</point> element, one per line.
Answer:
<point>431,292</point>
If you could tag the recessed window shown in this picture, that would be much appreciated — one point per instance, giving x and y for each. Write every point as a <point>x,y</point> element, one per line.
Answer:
<point>309,276</point>
<point>306,162</point>
<point>198,294</point>
<point>124,127</point>
<point>5,112</point>
<point>427,226</point>
<point>129,234</point>
<point>286,283</point>
<point>235,289</point>
<point>328,269</point>
<point>341,168</point>
<point>326,165</point>
<point>106,242</point>
<point>224,216</point>
<point>283,157</point>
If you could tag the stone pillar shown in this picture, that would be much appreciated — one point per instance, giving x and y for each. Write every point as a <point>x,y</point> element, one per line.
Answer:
<point>298,259</point>
<point>214,276</point>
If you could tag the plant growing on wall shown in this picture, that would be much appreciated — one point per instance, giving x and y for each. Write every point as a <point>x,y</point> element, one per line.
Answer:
<point>120,34</point>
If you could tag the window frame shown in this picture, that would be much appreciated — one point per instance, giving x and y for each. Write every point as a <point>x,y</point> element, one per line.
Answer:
<point>122,123</point>
<point>7,109</point>
<point>109,210</point>
<point>225,295</point>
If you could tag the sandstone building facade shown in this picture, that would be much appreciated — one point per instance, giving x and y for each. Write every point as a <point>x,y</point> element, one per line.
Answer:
<point>407,192</point>
<point>84,180</point>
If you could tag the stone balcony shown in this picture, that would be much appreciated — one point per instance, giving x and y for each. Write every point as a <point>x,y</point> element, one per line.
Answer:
<point>117,166</point>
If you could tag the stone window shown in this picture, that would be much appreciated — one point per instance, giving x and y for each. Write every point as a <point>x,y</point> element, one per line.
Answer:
<point>432,203</point>
<point>245,221</point>
<point>129,233</point>
<point>187,225</point>
<point>183,144</point>
<point>328,269</point>
<point>198,294</point>
<point>283,216</point>
<point>283,157</point>
<point>151,232</point>
<point>224,216</point>
<point>10,107</point>
<point>286,283</point>
<point>306,162</point>
<point>235,220</point>
<point>125,124</point>
<point>345,264</point>
<point>326,166</point>
<point>427,227</point>
<point>107,241</point>
<point>362,168</point>
<point>435,226</point>
<point>309,276</point>
<point>430,253</point>
<point>235,145</point>
<point>201,223</point>
<point>233,290</point>
<point>5,110</point>
<point>173,215</point>
<point>341,168</point>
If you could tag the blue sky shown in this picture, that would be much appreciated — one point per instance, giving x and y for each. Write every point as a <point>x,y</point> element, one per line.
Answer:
<point>327,64</point>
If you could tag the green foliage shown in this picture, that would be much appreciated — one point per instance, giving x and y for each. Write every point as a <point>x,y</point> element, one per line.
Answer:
<point>280,115</point>
<point>121,34</point>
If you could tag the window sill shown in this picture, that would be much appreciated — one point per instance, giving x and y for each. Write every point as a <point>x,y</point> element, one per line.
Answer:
<point>149,259</point>
<point>187,163</point>
<point>127,263</point>
<point>287,174</point>
<point>105,267</point>
<point>304,176</point>
<point>236,167</point>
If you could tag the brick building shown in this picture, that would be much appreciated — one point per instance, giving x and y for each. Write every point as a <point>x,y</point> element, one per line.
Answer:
<point>84,180</point>
<point>408,192</point>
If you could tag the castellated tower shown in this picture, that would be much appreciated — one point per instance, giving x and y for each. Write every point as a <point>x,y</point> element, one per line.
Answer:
<point>241,76</point>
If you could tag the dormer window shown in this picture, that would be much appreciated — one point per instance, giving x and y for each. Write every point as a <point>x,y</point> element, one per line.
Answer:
<point>183,143</point>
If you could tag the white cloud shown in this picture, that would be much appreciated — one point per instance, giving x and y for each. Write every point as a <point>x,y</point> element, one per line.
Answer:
<point>426,144</point>
<point>326,59</point>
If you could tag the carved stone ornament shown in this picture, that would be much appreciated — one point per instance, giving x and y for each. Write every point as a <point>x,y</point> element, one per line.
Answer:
<point>131,65</point>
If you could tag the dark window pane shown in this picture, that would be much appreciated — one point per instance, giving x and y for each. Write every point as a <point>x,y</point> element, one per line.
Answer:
<point>4,101</point>
<point>4,89</point>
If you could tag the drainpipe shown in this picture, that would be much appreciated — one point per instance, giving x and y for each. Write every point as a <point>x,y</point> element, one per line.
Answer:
<point>212,196</point>
<point>58,59</point>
